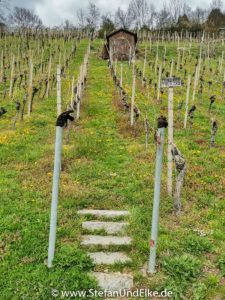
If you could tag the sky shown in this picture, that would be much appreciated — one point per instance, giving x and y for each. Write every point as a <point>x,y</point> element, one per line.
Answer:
<point>54,12</point>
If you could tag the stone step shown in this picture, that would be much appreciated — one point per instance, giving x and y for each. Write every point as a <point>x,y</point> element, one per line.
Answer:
<point>113,281</point>
<point>109,227</point>
<point>109,258</point>
<point>103,213</point>
<point>91,240</point>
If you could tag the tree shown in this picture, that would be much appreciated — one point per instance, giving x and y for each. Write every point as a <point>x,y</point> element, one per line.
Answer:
<point>123,19</point>
<point>151,16</point>
<point>68,25</point>
<point>199,15</point>
<point>107,25</point>
<point>163,19</point>
<point>139,12</point>
<point>183,23</point>
<point>93,16</point>
<point>25,18</point>
<point>175,8</point>
<point>215,20</point>
<point>4,6</point>
<point>216,4</point>
<point>81,18</point>
<point>186,10</point>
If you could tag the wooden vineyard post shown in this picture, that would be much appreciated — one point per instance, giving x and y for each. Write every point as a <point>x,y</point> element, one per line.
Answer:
<point>81,81</point>
<point>71,106</point>
<point>195,84</point>
<point>78,95</point>
<point>159,83</point>
<point>178,61</point>
<point>199,65</point>
<point>132,97</point>
<point>30,89</point>
<point>144,66</point>
<point>72,93</point>
<point>170,83</point>
<point>182,60</point>
<point>42,57</point>
<point>180,165</point>
<point>49,74</point>
<point>157,57</point>
<point>208,52</point>
<point>2,67</point>
<point>171,68</point>
<point>223,85</point>
<point>59,90</point>
<point>164,57</point>
<point>170,141</point>
<point>213,133</point>
<point>147,132</point>
<point>130,56</point>
<point>187,100</point>
<point>11,76</point>
<point>221,63</point>
<point>121,75</point>
<point>150,47</point>
<point>162,124</point>
<point>115,67</point>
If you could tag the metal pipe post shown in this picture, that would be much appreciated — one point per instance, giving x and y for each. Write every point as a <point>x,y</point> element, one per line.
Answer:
<point>55,193</point>
<point>60,124</point>
<point>157,188</point>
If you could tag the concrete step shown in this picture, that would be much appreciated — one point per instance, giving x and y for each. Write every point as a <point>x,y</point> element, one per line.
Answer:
<point>109,227</point>
<point>109,258</point>
<point>91,240</point>
<point>103,213</point>
<point>113,281</point>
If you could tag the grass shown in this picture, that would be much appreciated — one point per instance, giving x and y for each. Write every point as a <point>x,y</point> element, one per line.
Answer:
<point>106,166</point>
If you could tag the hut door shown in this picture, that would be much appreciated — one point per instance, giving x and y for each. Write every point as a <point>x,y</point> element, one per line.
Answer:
<point>121,49</point>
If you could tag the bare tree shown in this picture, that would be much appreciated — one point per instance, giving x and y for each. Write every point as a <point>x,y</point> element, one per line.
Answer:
<point>139,11</point>
<point>81,18</point>
<point>4,6</point>
<point>175,8</point>
<point>216,4</point>
<point>186,10</point>
<point>163,17</point>
<point>93,16</point>
<point>123,19</point>
<point>25,18</point>
<point>152,14</point>
<point>199,15</point>
<point>68,25</point>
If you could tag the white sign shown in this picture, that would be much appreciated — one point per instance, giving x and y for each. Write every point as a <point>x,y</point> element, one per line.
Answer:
<point>171,82</point>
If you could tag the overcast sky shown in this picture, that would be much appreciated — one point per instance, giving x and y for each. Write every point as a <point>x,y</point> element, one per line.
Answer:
<point>54,12</point>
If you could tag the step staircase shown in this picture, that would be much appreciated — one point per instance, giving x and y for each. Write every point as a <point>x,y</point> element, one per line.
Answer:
<point>114,236</point>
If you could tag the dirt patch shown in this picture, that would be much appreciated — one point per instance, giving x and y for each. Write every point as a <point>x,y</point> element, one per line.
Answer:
<point>117,103</point>
<point>123,121</point>
<point>126,130</point>
<point>201,142</point>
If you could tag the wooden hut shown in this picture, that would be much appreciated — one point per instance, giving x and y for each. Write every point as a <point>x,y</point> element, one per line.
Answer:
<point>222,32</point>
<point>121,45</point>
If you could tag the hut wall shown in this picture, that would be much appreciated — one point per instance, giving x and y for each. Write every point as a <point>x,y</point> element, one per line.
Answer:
<point>120,45</point>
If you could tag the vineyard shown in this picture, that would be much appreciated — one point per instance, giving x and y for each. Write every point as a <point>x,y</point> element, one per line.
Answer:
<point>108,161</point>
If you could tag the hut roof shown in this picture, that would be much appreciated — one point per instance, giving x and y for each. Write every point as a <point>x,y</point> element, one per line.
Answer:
<point>123,30</point>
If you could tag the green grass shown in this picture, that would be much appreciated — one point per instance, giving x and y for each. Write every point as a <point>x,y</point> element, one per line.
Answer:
<point>106,166</point>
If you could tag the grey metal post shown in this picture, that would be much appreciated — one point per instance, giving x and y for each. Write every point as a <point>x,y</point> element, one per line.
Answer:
<point>61,122</point>
<point>162,124</point>
<point>55,193</point>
